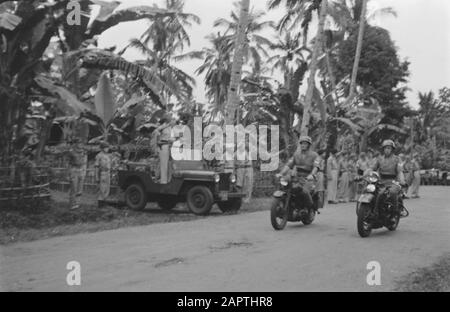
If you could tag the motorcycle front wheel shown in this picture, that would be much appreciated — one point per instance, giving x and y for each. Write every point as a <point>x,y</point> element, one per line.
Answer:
<point>364,227</point>
<point>393,227</point>
<point>309,219</point>
<point>279,214</point>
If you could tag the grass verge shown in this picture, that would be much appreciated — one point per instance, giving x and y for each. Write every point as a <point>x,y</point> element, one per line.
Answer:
<point>54,218</point>
<point>435,278</point>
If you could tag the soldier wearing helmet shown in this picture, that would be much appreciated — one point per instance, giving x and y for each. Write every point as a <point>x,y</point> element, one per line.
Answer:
<point>307,164</point>
<point>388,165</point>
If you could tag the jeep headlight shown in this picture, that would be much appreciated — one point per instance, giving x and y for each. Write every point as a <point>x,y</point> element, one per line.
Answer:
<point>371,188</point>
<point>233,178</point>
<point>283,182</point>
<point>217,178</point>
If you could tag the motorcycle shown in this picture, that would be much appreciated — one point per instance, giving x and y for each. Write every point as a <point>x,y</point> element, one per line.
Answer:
<point>287,204</point>
<point>379,206</point>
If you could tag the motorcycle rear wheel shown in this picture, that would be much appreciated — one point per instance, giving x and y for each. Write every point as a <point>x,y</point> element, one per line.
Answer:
<point>364,227</point>
<point>279,214</point>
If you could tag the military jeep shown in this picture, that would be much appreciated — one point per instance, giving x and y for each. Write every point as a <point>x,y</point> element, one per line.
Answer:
<point>192,182</point>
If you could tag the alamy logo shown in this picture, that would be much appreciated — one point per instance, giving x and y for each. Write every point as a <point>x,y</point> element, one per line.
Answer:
<point>74,15</point>
<point>227,144</point>
<point>73,278</point>
<point>374,276</point>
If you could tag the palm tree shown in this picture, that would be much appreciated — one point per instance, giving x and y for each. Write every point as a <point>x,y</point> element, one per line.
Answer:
<point>176,82</point>
<point>432,113</point>
<point>166,36</point>
<point>256,44</point>
<point>216,67</point>
<point>299,13</point>
<point>289,58</point>
<point>313,68</point>
<point>168,32</point>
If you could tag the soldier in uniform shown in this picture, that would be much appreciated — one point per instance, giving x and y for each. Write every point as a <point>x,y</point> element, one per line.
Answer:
<point>332,177</point>
<point>77,162</point>
<point>25,167</point>
<point>307,164</point>
<point>244,175</point>
<point>352,177</point>
<point>390,169</point>
<point>344,187</point>
<point>320,185</point>
<point>164,134</point>
<point>415,174</point>
<point>103,173</point>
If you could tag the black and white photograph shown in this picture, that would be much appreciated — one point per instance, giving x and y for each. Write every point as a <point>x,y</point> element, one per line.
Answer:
<point>225,151</point>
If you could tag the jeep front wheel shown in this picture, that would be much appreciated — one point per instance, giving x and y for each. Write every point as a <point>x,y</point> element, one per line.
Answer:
<point>136,197</point>
<point>200,200</point>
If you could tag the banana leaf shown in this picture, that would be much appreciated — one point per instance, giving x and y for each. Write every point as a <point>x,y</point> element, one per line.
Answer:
<point>105,104</point>
<point>72,106</point>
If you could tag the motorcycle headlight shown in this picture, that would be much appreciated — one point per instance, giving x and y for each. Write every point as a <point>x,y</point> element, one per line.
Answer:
<point>217,178</point>
<point>373,179</point>
<point>371,188</point>
<point>284,183</point>
<point>233,178</point>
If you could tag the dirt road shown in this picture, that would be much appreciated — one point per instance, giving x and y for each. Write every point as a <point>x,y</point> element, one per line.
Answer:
<point>236,253</point>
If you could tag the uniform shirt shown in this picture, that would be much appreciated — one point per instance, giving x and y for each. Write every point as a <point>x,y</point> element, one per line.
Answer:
<point>321,166</point>
<point>344,166</point>
<point>332,164</point>
<point>304,161</point>
<point>77,157</point>
<point>166,134</point>
<point>103,161</point>
<point>388,166</point>
<point>415,166</point>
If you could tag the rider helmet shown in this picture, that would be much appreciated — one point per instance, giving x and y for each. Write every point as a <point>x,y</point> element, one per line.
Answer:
<point>389,143</point>
<point>306,139</point>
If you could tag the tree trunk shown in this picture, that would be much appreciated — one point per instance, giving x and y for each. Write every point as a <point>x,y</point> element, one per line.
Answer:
<point>362,25</point>
<point>238,60</point>
<point>236,73</point>
<point>313,68</point>
<point>333,104</point>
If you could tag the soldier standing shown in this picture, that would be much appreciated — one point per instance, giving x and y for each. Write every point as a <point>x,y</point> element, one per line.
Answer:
<point>320,186</point>
<point>25,167</point>
<point>77,162</point>
<point>103,173</point>
<point>332,177</point>
<point>352,178</point>
<point>164,133</point>
<point>343,187</point>
<point>415,172</point>
<point>244,174</point>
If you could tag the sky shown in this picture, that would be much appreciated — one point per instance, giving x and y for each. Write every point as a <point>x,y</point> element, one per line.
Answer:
<point>421,31</point>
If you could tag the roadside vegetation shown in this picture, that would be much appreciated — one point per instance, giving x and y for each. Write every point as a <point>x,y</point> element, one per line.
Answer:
<point>435,278</point>
<point>55,218</point>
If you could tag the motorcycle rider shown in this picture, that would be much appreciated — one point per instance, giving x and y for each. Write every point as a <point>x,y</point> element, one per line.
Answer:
<point>307,164</point>
<point>389,167</point>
